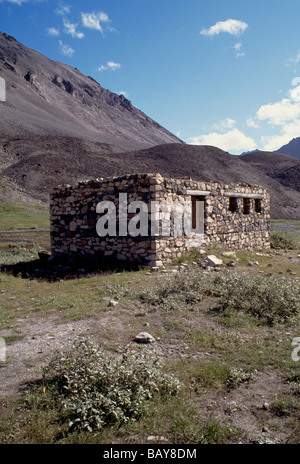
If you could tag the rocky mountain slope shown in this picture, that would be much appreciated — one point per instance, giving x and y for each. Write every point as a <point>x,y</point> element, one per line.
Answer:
<point>292,148</point>
<point>68,160</point>
<point>285,169</point>
<point>59,126</point>
<point>48,98</point>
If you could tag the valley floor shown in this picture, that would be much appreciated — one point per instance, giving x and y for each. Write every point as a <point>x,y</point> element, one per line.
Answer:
<point>239,382</point>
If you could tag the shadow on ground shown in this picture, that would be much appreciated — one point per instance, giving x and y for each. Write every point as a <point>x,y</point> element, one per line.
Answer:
<point>58,268</point>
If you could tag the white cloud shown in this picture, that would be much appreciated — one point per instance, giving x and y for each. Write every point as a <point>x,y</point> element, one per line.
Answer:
<point>233,141</point>
<point>252,123</point>
<point>283,114</point>
<point>63,9</point>
<point>224,124</point>
<point>70,28</point>
<point>93,20</point>
<point>65,49</point>
<point>294,60</point>
<point>125,94</point>
<point>16,2</point>
<point>280,112</point>
<point>289,131</point>
<point>237,48</point>
<point>231,26</point>
<point>295,92</point>
<point>52,31</point>
<point>20,2</point>
<point>109,65</point>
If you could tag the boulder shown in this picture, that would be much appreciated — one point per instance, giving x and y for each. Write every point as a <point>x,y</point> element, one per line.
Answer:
<point>144,337</point>
<point>231,264</point>
<point>213,261</point>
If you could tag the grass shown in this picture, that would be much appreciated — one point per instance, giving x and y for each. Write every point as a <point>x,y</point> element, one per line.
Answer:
<point>219,332</point>
<point>284,240</point>
<point>79,299</point>
<point>14,217</point>
<point>24,230</point>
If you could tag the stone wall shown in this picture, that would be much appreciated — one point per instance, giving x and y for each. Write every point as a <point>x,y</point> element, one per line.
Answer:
<point>235,216</point>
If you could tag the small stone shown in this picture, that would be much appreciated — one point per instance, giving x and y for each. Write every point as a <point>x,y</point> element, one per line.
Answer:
<point>144,337</point>
<point>231,264</point>
<point>266,406</point>
<point>265,430</point>
<point>154,438</point>
<point>213,261</point>
<point>113,303</point>
<point>229,254</point>
<point>250,263</point>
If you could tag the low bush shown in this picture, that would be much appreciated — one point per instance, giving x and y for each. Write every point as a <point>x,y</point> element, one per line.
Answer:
<point>177,291</point>
<point>94,390</point>
<point>284,240</point>
<point>269,299</point>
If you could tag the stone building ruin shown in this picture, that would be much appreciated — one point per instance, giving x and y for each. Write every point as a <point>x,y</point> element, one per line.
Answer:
<point>235,216</point>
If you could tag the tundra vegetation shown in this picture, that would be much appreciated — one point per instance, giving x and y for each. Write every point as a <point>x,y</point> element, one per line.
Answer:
<point>220,369</point>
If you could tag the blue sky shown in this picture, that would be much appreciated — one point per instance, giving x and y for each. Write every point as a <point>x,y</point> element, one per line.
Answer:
<point>213,72</point>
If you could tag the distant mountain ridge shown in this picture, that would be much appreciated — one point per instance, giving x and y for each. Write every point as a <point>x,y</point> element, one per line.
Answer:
<point>292,148</point>
<point>284,168</point>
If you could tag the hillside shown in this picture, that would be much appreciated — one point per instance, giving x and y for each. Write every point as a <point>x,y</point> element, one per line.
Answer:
<point>48,98</point>
<point>285,169</point>
<point>68,160</point>
<point>59,126</point>
<point>292,148</point>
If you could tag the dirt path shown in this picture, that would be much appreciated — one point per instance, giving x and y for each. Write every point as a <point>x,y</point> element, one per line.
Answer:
<point>40,336</point>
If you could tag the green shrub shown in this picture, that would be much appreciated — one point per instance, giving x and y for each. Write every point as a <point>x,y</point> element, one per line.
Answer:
<point>216,374</point>
<point>282,239</point>
<point>269,299</point>
<point>238,376</point>
<point>177,291</point>
<point>95,390</point>
<point>286,406</point>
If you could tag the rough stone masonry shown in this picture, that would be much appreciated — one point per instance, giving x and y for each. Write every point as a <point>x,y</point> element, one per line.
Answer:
<point>235,216</point>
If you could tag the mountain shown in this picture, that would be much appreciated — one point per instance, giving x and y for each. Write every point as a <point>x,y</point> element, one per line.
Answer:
<point>284,168</point>
<point>59,126</point>
<point>74,159</point>
<point>292,148</point>
<point>48,98</point>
